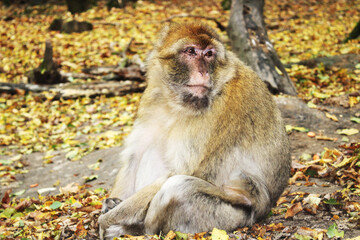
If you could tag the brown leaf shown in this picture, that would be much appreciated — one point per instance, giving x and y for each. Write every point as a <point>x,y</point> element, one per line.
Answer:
<point>80,229</point>
<point>87,209</point>
<point>352,207</point>
<point>70,188</point>
<point>281,200</point>
<point>294,209</point>
<point>24,204</point>
<point>6,198</point>
<point>275,227</point>
<point>297,175</point>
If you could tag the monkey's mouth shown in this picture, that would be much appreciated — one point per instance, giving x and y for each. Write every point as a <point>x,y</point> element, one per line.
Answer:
<point>198,90</point>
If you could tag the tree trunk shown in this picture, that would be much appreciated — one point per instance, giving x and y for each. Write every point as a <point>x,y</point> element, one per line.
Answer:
<point>118,3</point>
<point>250,42</point>
<point>355,33</point>
<point>78,6</point>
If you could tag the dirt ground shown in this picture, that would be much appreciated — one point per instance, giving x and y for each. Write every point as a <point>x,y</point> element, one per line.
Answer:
<point>295,113</point>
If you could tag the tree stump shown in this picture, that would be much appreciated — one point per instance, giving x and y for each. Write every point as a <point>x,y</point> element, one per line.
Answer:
<point>70,26</point>
<point>47,72</point>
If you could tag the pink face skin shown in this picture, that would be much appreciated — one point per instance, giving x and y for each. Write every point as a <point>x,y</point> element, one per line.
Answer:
<point>198,60</point>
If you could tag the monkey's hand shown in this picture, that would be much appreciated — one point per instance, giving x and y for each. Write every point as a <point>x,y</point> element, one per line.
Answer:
<point>127,217</point>
<point>109,204</point>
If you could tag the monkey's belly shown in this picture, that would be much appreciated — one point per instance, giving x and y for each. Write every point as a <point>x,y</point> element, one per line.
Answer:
<point>151,168</point>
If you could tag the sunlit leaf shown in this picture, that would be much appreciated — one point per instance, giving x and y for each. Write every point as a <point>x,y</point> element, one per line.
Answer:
<point>7,213</point>
<point>217,234</point>
<point>334,232</point>
<point>55,205</point>
<point>348,132</point>
<point>331,201</point>
<point>332,117</point>
<point>181,236</point>
<point>19,193</point>
<point>293,209</point>
<point>355,119</point>
<point>90,178</point>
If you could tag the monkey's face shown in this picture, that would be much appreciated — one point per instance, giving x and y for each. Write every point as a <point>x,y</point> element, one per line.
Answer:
<point>190,75</point>
<point>188,60</point>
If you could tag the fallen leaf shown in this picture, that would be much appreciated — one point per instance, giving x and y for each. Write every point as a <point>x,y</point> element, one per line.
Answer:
<point>293,210</point>
<point>7,213</point>
<point>19,193</point>
<point>55,205</point>
<point>334,232</point>
<point>70,188</point>
<point>6,198</point>
<point>290,128</point>
<point>332,117</point>
<point>90,178</point>
<point>217,234</point>
<point>171,235</point>
<point>355,119</point>
<point>311,105</point>
<point>312,199</point>
<point>181,236</point>
<point>281,200</point>
<point>297,175</point>
<point>331,201</point>
<point>325,138</point>
<point>345,162</point>
<point>44,190</point>
<point>348,132</point>
<point>22,205</point>
<point>353,101</point>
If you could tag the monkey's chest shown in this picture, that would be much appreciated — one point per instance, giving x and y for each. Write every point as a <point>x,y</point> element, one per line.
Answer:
<point>151,167</point>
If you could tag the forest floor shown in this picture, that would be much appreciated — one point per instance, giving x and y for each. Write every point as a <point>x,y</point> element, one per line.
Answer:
<point>58,157</point>
<point>333,201</point>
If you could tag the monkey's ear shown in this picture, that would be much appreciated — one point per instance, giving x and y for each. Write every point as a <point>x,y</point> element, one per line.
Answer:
<point>159,42</point>
<point>162,35</point>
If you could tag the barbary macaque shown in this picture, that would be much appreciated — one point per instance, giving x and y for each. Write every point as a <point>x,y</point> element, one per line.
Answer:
<point>208,148</point>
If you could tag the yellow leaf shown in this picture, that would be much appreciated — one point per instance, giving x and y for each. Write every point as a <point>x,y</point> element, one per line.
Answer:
<point>278,71</point>
<point>332,117</point>
<point>348,132</point>
<point>218,234</point>
<point>344,162</point>
<point>353,101</point>
<point>311,105</point>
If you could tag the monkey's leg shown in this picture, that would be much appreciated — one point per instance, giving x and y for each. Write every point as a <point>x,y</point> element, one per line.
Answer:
<point>128,216</point>
<point>189,204</point>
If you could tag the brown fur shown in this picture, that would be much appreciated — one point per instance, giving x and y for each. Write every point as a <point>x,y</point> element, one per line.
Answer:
<point>191,169</point>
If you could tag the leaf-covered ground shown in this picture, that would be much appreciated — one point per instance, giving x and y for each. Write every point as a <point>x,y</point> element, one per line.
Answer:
<point>72,129</point>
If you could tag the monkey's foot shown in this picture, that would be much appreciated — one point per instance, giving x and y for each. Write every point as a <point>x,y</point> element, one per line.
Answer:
<point>119,230</point>
<point>109,204</point>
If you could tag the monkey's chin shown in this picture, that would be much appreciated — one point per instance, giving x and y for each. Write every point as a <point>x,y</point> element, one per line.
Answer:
<point>195,102</point>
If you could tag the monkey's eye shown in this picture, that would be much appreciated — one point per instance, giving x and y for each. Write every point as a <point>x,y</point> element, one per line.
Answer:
<point>190,50</point>
<point>208,53</point>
